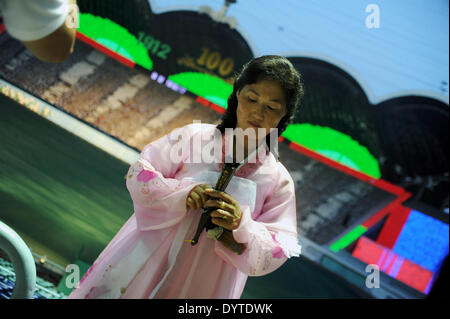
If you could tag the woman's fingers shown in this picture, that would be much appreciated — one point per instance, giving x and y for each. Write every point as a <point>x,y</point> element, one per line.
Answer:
<point>219,204</point>
<point>219,222</point>
<point>197,199</point>
<point>190,202</point>
<point>230,225</point>
<point>203,188</point>
<point>220,195</point>
<point>194,200</point>
<point>229,213</point>
<point>199,196</point>
<point>200,191</point>
<point>220,213</point>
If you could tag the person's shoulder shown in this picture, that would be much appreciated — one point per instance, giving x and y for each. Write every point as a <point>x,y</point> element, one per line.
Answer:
<point>34,20</point>
<point>194,128</point>
<point>284,177</point>
<point>189,130</point>
<point>271,161</point>
<point>279,174</point>
<point>283,170</point>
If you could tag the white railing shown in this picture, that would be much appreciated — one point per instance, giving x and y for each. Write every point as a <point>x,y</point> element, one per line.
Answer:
<point>22,261</point>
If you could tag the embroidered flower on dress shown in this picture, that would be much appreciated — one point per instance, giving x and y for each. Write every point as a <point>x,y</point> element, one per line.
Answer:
<point>245,170</point>
<point>278,251</point>
<point>145,176</point>
<point>87,273</point>
<point>95,292</point>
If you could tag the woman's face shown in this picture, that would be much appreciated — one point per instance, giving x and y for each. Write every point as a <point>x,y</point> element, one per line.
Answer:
<point>260,105</point>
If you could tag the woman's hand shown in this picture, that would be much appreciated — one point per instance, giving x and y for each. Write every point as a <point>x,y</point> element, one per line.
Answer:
<point>197,198</point>
<point>229,214</point>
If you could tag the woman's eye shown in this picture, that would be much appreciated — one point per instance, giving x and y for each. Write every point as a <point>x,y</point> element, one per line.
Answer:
<point>271,108</point>
<point>252,100</point>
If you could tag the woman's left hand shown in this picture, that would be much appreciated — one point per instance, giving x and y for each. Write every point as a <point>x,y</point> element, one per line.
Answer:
<point>229,214</point>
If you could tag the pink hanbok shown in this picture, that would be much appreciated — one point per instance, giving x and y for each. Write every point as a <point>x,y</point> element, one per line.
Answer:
<point>150,258</point>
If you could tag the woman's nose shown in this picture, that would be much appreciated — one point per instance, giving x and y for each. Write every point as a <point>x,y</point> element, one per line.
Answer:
<point>257,117</point>
<point>259,113</point>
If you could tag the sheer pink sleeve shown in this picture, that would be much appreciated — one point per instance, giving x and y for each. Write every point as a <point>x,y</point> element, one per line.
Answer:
<point>159,198</point>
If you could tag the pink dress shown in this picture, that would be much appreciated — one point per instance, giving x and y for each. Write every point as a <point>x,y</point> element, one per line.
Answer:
<point>149,257</point>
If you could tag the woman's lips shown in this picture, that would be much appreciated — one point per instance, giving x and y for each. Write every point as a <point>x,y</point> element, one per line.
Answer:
<point>254,124</point>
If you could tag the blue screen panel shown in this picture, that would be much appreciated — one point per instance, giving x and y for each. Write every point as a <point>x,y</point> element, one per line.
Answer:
<point>423,240</point>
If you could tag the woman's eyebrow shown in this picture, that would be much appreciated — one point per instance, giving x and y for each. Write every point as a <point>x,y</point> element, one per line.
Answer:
<point>276,101</point>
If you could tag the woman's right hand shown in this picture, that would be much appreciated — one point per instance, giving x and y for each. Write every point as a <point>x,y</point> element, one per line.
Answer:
<point>197,197</point>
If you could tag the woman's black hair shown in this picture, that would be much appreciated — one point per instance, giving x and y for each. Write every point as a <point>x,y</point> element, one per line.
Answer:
<point>267,67</point>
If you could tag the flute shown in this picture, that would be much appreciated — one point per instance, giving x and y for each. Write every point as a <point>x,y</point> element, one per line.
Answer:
<point>225,236</point>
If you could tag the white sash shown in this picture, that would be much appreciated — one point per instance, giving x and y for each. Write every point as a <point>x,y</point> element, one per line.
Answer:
<point>242,189</point>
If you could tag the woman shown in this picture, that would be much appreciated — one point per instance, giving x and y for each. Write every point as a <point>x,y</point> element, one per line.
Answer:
<point>151,257</point>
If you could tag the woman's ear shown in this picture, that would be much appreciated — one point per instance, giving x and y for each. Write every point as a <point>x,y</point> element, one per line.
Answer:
<point>238,92</point>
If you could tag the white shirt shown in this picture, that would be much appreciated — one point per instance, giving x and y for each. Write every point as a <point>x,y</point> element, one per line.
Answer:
<point>29,20</point>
